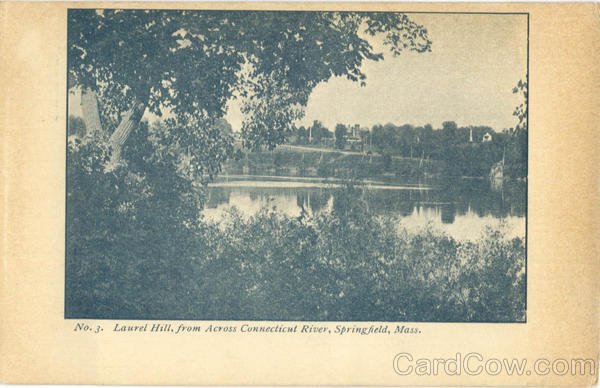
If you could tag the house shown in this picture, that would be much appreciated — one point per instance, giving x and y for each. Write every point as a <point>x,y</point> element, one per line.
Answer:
<point>487,137</point>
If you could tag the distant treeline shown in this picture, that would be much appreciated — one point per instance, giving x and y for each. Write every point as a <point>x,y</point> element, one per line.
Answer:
<point>462,151</point>
<point>467,151</point>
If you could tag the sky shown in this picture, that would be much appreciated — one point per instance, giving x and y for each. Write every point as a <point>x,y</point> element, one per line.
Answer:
<point>475,62</point>
<point>468,77</point>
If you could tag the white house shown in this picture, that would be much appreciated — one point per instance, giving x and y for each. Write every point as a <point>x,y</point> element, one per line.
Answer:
<point>487,137</point>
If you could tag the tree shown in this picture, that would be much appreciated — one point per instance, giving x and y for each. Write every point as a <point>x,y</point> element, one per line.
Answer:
<point>406,140</point>
<point>318,131</point>
<point>380,138</point>
<point>223,126</point>
<point>516,158</point>
<point>188,64</point>
<point>76,126</point>
<point>521,111</point>
<point>135,240</point>
<point>449,129</point>
<point>302,134</point>
<point>340,136</point>
<point>451,153</point>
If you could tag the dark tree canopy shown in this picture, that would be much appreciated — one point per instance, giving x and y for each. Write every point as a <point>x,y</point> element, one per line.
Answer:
<point>190,63</point>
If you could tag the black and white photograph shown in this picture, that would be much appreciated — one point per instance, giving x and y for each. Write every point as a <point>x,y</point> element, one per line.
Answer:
<point>333,166</point>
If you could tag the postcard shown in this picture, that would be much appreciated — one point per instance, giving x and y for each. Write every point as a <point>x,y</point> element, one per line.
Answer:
<point>313,193</point>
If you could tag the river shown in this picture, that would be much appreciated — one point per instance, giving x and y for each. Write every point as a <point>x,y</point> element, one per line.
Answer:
<point>462,208</point>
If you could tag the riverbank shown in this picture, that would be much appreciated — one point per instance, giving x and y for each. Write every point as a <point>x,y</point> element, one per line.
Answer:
<point>316,162</point>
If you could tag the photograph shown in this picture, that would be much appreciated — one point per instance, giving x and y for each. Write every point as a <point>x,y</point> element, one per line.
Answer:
<point>296,165</point>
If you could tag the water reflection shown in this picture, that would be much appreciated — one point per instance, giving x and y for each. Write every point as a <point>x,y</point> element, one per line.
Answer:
<point>462,208</point>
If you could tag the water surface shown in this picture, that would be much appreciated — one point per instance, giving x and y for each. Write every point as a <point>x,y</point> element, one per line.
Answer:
<point>462,208</point>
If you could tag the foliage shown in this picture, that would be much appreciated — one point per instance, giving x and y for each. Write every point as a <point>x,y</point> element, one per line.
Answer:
<point>137,246</point>
<point>519,146</point>
<point>461,149</point>
<point>521,111</point>
<point>191,63</point>
<point>340,136</point>
<point>75,126</point>
<point>319,132</point>
<point>149,211</point>
<point>331,164</point>
<point>344,265</point>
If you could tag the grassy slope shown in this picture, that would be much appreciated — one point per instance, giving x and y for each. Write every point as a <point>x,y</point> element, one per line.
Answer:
<point>329,164</point>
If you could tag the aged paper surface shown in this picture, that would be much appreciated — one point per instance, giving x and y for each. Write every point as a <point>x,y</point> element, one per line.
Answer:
<point>41,341</point>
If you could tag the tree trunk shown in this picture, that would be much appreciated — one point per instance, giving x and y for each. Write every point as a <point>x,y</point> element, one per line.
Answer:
<point>129,122</point>
<point>91,115</point>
